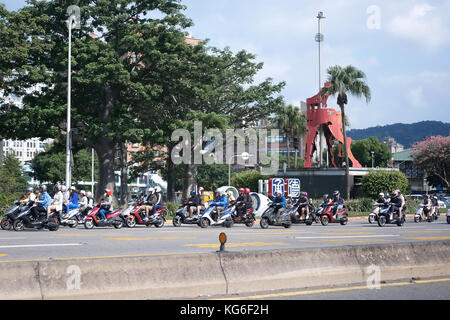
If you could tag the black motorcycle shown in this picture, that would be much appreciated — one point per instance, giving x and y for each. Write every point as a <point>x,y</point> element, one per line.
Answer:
<point>10,216</point>
<point>182,216</point>
<point>26,220</point>
<point>308,220</point>
<point>269,217</point>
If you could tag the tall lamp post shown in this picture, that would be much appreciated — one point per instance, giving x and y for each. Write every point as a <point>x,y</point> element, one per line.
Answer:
<point>72,23</point>
<point>319,40</point>
<point>372,152</point>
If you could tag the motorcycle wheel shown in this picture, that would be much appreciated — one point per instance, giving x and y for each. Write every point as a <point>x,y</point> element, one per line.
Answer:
<point>371,219</point>
<point>19,225</point>
<point>118,225</point>
<point>317,219</point>
<point>343,221</point>
<point>324,220</point>
<point>159,222</point>
<point>264,223</point>
<point>131,222</point>
<point>417,219</point>
<point>448,220</point>
<point>382,221</point>
<point>6,223</point>
<point>287,225</point>
<point>74,224</point>
<point>204,223</point>
<point>89,224</point>
<point>55,228</point>
<point>249,223</point>
<point>176,221</point>
<point>401,221</point>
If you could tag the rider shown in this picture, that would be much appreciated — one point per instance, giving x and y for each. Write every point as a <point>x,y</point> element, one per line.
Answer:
<point>435,204</point>
<point>42,204</point>
<point>73,200</point>
<point>158,194</point>
<point>396,202</point>
<point>338,202</point>
<point>106,204</point>
<point>28,196</point>
<point>303,205</point>
<point>427,204</point>
<point>150,202</point>
<point>381,198</point>
<point>248,199</point>
<point>220,202</point>
<point>83,202</point>
<point>57,201</point>
<point>280,200</point>
<point>193,203</point>
<point>90,200</point>
<point>201,204</point>
<point>241,203</point>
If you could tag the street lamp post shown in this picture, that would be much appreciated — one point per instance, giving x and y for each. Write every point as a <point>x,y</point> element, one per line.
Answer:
<point>319,39</point>
<point>372,152</point>
<point>244,155</point>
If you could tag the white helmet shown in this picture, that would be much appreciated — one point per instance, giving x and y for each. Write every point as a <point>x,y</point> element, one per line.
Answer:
<point>157,189</point>
<point>63,188</point>
<point>151,190</point>
<point>72,188</point>
<point>83,192</point>
<point>89,194</point>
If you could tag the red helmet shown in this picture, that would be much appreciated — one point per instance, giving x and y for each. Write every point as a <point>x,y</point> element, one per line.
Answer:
<point>108,192</point>
<point>241,190</point>
<point>247,190</point>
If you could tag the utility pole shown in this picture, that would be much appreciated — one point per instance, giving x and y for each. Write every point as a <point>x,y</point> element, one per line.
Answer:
<point>319,39</point>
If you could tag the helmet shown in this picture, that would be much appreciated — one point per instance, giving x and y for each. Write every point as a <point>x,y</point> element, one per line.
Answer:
<point>83,192</point>
<point>394,193</point>
<point>305,194</point>
<point>108,192</point>
<point>30,189</point>
<point>151,190</point>
<point>192,193</point>
<point>89,194</point>
<point>247,190</point>
<point>200,189</point>
<point>325,197</point>
<point>336,193</point>
<point>63,188</point>
<point>72,188</point>
<point>43,188</point>
<point>57,187</point>
<point>157,189</point>
<point>381,195</point>
<point>241,190</point>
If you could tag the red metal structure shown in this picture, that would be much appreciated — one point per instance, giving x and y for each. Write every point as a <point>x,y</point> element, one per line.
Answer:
<point>331,122</point>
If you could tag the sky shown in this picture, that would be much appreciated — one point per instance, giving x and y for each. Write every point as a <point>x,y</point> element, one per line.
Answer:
<point>402,46</point>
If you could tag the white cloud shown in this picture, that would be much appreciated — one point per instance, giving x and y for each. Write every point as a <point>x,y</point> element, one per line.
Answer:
<point>421,24</point>
<point>415,97</point>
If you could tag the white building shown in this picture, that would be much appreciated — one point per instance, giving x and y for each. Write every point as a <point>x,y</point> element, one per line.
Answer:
<point>25,150</point>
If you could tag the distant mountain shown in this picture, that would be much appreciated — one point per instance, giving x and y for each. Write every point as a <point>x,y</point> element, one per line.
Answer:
<point>405,134</point>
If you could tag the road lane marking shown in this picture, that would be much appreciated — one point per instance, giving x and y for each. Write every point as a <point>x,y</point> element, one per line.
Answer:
<point>3,254</point>
<point>350,237</point>
<point>152,238</point>
<point>12,238</point>
<point>356,241</point>
<point>41,245</point>
<point>346,233</point>
<point>319,291</point>
<point>424,231</point>
<point>234,245</point>
<point>426,238</point>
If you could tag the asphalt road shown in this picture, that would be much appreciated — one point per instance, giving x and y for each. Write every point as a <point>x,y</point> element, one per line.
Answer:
<point>99,243</point>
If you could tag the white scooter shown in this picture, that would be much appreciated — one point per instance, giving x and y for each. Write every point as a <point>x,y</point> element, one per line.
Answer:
<point>225,218</point>
<point>72,219</point>
<point>420,214</point>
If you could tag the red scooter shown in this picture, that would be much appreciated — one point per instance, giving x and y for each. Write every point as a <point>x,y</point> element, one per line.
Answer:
<point>136,217</point>
<point>248,218</point>
<point>112,219</point>
<point>326,216</point>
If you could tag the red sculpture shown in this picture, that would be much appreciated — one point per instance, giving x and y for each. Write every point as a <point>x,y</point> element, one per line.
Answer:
<point>331,121</point>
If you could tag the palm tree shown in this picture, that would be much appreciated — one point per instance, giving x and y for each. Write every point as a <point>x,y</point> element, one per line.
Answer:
<point>342,81</point>
<point>291,122</point>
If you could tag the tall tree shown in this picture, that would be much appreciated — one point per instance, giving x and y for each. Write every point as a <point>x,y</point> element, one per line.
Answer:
<point>362,150</point>
<point>343,81</point>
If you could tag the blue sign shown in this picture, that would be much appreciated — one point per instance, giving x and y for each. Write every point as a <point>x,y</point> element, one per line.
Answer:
<point>277,186</point>
<point>294,188</point>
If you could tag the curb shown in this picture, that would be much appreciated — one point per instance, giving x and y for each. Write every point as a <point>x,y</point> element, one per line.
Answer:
<point>184,276</point>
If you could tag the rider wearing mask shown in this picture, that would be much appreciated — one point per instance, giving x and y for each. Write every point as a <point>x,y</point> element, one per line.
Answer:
<point>240,202</point>
<point>381,198</point>
<point>28,196</point>
<point>57,202</point>
<point>83,202</point>
<point>73,200</point>
<point>150,202</point>
<point>106,205</point>
<point>303,205</point>
<point>220,202</point>
<point>426,202</point>
<point>280,200</point>
<point>396,202</point>
<point>338,202</point>
<point>42,204</point>
<point>248,199</point>
<point>193,203</point>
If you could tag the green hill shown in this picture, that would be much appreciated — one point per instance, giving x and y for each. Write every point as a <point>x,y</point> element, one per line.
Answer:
<point>406,134</point>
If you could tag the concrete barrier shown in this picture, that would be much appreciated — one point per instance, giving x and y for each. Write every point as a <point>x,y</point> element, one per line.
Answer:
<point>187,276</point>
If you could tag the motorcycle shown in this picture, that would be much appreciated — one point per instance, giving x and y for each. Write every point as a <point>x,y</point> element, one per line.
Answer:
<point>10,216</point>
<point>26,220</point>
<point>448,216</point>
<point>181,216</point>
<point>326,215</point>
<point>225,219</point>
<point>421,216</point>
<point>72,219</point>
<point>376,209</point>
<point>248,218</point>
<point>268,218</point>
<point>136,217</point>
<point>112,219</point>
<point>309,219</point>
<point>385,217</point>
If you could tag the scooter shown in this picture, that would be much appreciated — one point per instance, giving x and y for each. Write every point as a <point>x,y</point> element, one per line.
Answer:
<point>269,217</point>
<point>326,216</point>
<point>72,219</point>
<point>376,209</point>
<point>181,216</point>
<point>248,218</point>
<point>25,220</point>
<point>385,217</point>
<point>112,219</point>
<point>225,219</point>
<point>10,216</point>
<point>309,219</point>
<point>421,216</point>
<point>136,217</point>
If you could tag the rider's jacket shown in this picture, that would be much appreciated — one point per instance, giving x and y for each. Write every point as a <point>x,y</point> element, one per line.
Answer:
<point>221,201</point>
<point>44,200</point>
<point>397,201</point>
<point>151,199</point>
<point>338,202</point>
<point>195,201</point>
<point>303,201</point>
<point>281,200</point>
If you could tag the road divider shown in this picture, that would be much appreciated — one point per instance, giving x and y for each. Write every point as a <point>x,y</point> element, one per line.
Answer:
<point>192,275</point>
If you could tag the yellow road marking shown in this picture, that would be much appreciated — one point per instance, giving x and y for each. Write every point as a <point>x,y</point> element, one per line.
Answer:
<point>427,238</point>
<point>234,245</point>
<point>152,238</point>
<point>422,231</point>
<point>3,254</point>
<point>318,291</point>
<point>106,257</point>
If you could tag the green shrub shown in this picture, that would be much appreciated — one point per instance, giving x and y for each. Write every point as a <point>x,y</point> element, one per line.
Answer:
<point>247,179</point>
<point>170,208</point>
<point>359,205</point>
<point>383,181</point>
<point>6,202</point>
